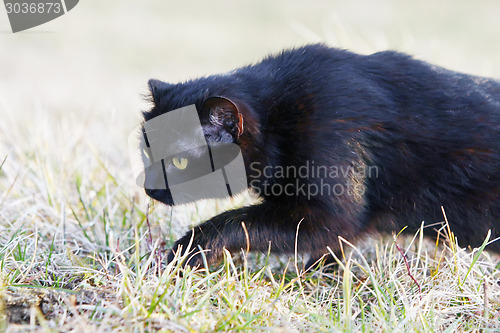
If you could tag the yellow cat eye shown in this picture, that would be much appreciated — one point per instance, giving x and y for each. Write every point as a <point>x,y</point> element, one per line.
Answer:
<point>180,163</point>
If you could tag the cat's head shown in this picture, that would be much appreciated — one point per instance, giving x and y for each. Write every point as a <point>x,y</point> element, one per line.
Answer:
<point>193,133</point>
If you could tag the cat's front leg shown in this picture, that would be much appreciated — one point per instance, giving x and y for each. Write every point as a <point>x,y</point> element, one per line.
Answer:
<point>266,225</point>
<point>233,230</point>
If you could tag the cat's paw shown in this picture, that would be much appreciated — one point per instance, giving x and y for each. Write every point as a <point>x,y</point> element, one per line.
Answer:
<point>193,258</point>
<point>190,251</point>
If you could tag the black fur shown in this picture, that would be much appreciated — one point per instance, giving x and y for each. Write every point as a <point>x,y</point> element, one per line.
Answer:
<point>430,136</point>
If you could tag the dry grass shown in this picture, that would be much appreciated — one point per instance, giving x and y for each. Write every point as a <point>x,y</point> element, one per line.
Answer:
<point>76,251</point>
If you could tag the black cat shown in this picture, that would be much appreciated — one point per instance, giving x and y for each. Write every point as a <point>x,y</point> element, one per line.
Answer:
<point>344,144</point>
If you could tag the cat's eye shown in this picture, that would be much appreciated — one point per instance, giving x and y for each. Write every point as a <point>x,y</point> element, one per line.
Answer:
<point>180,163</point>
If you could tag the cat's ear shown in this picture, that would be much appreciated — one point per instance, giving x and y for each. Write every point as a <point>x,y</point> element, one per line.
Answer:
<point>158,89</point>
<point>225,113</point>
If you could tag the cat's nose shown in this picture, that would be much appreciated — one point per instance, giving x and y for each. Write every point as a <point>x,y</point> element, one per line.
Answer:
<point>155,194</point>
<point>159,195</point>
<point>164,196</point>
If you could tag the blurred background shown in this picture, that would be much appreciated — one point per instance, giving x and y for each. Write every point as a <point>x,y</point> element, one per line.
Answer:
<point>99,56</point>
<point>72,90</point>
